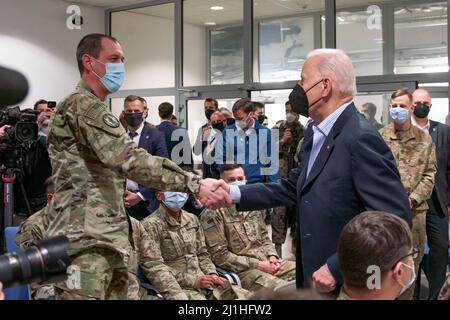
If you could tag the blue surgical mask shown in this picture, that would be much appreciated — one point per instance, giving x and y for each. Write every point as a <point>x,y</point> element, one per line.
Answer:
<point>399,115</point>
<point>175,200</point>
<point>114,76</point>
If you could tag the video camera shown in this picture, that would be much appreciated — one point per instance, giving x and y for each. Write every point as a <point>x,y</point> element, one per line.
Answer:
<point>44,263</point>
<point>24,129</point>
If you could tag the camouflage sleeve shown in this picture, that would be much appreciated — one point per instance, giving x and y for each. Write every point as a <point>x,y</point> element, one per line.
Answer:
<point>214,230</point>
<point>267,243</point>
<point>113,147</point>
<point>424,188</point>
<point>204,259</point>
<point>153,267</point>
<point>30,231</point>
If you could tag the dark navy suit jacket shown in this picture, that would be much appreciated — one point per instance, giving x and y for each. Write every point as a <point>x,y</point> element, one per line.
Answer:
<point>167,128</point>
<point>354,171</point>
<point>440,133</point>
<point>154,142</point>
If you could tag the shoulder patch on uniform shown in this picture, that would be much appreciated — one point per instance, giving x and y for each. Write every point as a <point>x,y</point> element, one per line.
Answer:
<point>111,121</point>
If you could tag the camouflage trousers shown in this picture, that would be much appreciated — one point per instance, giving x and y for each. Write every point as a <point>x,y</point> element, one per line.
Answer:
<point>418,233</point>
<point>279,226</point>
<point>229,292</point>
<point>445,291</point>
<point>95,274</point>
<point>254,279</point>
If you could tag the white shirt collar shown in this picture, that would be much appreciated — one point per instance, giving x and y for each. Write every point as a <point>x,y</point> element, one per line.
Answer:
<point>425,128</point>
<point>139,130</point>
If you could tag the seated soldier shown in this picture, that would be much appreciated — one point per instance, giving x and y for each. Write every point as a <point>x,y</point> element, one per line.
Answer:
<point>376,254</point>
<point>178,237</point>
<point>239,242</point>
<point>152,266</point>
<point>31,230</point>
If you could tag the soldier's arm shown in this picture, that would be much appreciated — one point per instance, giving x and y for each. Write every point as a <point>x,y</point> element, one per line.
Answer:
<point>204,259</point>
<point>424,188</point>
<point>214,229</point>
<point>153,267</point>
<point>116,150</point>
<point>267,243</point>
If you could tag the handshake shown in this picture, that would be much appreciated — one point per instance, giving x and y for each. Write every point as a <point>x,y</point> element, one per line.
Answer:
<point>214,194</point>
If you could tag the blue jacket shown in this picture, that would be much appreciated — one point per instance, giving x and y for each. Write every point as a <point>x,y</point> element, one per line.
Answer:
<point>252,151</point>
<point>354,171</point>
<point>154,142</point>
<point>167,128</point>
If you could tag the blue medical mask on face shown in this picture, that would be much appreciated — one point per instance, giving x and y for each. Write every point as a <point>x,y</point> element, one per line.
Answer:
<point>114,76</point>
<point>175,200</point>
<point>399,115</point>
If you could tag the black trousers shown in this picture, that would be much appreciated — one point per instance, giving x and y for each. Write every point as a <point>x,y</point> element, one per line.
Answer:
<point>435,270</point>
<point>138,211</point>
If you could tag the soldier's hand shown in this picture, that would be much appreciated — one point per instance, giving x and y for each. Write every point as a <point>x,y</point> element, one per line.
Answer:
<point>287,135</point>
<point>2,296</point>
<point>266,266</point>
<point>214,193</point>
<point>275,262</point>
<point>217,280</point>
<point>3,130</point>
<point>323,280</point>
<point>203,282</point>
<point>131,199</point>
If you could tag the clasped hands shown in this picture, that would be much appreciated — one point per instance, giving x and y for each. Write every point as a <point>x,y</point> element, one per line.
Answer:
<point>214,194</point>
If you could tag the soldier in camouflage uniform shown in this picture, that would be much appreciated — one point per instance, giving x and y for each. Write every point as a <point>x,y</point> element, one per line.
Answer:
<point>31,230</point>
<point>290,133</point>
<point>91,157</point>
<point>148,257</point>
<point>239,242</point>
<point>415,156</point>
<point>180,240</point>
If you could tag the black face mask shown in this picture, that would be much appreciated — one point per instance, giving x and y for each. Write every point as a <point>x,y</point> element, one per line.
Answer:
<point>299,100</point>
<point>421,110</point>
<point>261,119</point>
<point>230,121</point>
<point>219,126</point>
<point>208,113</point>
<point>133,119</point>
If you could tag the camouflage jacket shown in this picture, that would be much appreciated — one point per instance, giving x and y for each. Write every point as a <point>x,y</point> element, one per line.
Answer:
<point>181,245</point>
<point>287,151</point>
<point>32,229</point>
<point>237,241</point>
<point>91,157</point>
<point>147,255</point>
<point>415,155</point>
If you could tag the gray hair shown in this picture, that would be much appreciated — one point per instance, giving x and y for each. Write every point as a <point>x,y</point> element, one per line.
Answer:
<point>335,64</point>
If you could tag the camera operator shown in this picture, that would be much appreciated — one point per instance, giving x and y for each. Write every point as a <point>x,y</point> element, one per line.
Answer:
<point>35,169</point>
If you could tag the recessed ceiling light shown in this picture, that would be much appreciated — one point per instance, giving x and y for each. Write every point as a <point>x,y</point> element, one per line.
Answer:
<point>210,23</point>
<point>216,8</point>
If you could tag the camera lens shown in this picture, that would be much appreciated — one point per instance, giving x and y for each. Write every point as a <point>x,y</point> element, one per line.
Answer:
<point>44,263</point>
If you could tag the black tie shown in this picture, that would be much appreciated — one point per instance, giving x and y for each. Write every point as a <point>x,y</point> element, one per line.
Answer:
<point>132,134</point>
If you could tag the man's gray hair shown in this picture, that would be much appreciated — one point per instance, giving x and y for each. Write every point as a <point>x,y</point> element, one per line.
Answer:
<point>335,64</point>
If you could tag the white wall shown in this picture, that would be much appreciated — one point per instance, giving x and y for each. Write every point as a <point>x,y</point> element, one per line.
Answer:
<point>148,43</point>
<point>35,40</point>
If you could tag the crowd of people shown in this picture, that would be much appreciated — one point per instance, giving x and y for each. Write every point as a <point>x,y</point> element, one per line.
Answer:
<point>360,199</point>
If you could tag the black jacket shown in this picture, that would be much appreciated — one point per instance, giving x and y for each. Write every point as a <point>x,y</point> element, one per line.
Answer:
<point>440,133</point>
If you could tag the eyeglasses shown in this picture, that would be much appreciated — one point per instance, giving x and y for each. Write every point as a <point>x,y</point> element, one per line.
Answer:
<point>398,105</point>
<point>414,254</point>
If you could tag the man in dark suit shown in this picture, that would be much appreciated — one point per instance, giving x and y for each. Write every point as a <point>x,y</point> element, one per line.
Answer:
<point>177,138</point>
<point>438,213</point>
<point>345,168</point>
<point>140,201</point>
